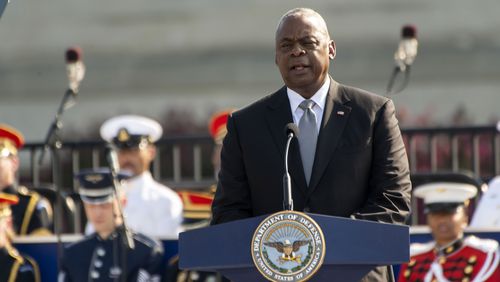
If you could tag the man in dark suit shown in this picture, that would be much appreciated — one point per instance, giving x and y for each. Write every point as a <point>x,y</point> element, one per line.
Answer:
<point>358,167</point>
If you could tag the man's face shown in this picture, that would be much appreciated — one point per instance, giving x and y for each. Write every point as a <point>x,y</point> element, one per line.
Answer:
<point>102,216</point>
<point>136,160</point>
<point>303,53</point>
<point>446,227</point>
<point>8,168</point>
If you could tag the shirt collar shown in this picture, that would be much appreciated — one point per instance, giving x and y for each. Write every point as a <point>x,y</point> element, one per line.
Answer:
<point>138,181</point>
<point>319,97</point>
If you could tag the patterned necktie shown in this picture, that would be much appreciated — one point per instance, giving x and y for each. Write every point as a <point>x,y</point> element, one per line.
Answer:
<point>308,135</point>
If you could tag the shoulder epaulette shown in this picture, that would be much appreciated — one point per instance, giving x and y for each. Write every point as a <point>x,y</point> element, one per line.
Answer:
<point>485,245</point>
<point>25,191</point>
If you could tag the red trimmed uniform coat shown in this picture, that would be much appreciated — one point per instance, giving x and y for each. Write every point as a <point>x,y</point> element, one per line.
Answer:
<point>469,259</point>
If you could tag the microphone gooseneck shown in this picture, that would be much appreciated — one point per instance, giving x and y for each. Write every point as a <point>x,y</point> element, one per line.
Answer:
<point>291,130</point>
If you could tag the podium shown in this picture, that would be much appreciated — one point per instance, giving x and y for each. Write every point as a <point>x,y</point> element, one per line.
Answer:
<point>353,248</point>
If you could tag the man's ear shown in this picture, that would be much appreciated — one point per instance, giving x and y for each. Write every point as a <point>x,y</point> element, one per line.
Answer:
<point>152,151</point>
<point>332,50</point>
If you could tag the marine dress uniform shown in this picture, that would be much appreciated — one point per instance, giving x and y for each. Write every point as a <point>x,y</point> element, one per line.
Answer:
<point>97,259</point>
<point>108,259</point>
<point>465,259</point>
<point>13,265</point>
<point>33,214</point>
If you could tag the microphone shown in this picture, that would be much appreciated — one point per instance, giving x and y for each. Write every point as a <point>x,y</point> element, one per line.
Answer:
<point>404,57</point>
<point>407,48</point>
<point>291,130</point>
<point>75,69</point>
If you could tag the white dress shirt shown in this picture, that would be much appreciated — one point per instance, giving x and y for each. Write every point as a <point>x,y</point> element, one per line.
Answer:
<point>319,99</point>
<point>152,208</point>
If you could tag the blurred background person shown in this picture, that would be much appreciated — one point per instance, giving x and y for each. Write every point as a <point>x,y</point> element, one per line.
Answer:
<point>103,255</point>
<point>151,207</point>
<point>33,214</point>
<point>13,266</point>
<point>218,130</point>
<point>487,212</point>
<point>451,256</point>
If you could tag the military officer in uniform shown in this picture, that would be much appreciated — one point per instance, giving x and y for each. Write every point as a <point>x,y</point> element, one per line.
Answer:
<point>102,256</point>
<point>151,208</point>
<point>13,266</point>
<point>451,256</point>
<point>33,214</point>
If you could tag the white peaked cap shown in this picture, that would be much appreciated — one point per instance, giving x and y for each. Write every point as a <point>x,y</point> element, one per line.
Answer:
<point>135,125</point>
<point>445,192</point>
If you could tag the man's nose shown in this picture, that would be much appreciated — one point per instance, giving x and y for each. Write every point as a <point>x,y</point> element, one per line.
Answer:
<point>297,50</point>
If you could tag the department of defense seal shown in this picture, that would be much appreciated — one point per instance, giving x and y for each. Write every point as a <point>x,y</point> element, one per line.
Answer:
<point>288,246</point>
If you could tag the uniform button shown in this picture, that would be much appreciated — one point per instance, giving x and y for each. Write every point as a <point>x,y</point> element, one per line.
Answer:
<point>94,274</point>
<point>407,273</point>
<point>100,252</point>
<point>98,263</point>
<point>307,209</point>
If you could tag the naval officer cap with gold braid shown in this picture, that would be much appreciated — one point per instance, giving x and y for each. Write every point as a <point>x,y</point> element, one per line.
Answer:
<point>11,140</point>
<point>445,196</point>
<point>131,131</point>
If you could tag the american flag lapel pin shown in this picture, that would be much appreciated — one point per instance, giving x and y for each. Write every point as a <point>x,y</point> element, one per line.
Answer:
<point>340,113</point>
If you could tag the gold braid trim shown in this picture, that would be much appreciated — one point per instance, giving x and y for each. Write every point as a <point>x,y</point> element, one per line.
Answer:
<point>13,271</point>
<point>36,269</point>
<point>29,212</point>
<point>19,260</point>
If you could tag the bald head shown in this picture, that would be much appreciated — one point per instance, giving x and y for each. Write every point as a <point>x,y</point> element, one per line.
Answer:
<point>304,13</point>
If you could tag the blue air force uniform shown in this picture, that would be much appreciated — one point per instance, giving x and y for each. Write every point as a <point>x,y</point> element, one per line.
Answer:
<point>108,259</point>
<point>97,259</point>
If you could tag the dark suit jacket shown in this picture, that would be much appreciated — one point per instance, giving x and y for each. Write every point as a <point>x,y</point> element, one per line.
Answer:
<point>360,168</point>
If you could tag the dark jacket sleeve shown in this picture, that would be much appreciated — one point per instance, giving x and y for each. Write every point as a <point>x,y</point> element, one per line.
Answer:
<point>389,181</point>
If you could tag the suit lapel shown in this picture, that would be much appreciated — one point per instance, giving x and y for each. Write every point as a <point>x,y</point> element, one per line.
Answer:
<point>335,117</point>
<point>278,116</point>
